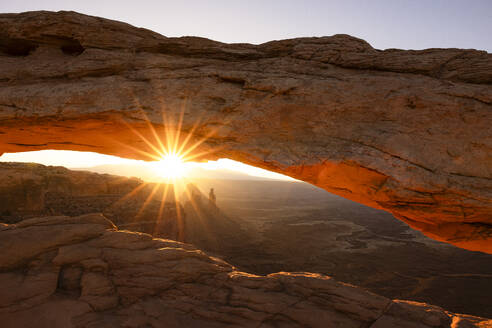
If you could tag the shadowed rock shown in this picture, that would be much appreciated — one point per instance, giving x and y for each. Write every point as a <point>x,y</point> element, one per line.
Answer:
<point>30,190</point>
<point>82,272</point>
<point>404,131</point>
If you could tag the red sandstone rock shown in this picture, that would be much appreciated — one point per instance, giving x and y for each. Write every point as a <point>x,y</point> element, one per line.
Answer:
<point>109,278</point>
<point>404,131</point>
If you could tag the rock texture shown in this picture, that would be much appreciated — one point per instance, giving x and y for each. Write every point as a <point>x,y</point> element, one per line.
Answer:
<point>270,227</point>
<point>404,131</point>
<point>82,272</point>
<point>32,190</point>
<point>29,189</point>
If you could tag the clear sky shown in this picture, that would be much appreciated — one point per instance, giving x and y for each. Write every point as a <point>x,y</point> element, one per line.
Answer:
<point>405,24</point>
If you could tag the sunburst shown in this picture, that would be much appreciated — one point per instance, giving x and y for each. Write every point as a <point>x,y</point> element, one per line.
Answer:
<point>170,153</point>
<point>171,167</point>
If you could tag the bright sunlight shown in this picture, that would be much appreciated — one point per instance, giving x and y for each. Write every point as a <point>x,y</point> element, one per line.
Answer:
<point>170,158</point>
<point>171,167</point>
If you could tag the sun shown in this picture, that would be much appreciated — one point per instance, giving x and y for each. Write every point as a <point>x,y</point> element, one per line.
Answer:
<point>171,166</point>
<point>170,154</point>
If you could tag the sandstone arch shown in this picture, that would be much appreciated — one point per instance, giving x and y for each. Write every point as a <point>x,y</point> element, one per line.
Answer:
<point>404,131</point>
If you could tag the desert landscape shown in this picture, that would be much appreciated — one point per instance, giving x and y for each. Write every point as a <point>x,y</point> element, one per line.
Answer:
<point>303,228</point>
<point>263,227</point>
<point>336,184</point>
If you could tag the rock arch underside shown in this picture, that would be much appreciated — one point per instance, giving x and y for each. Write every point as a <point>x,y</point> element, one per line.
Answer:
<point>404,131</point>
<point>409,132</point>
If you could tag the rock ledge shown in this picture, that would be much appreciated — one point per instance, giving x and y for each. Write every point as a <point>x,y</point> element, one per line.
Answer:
<point>82,272</point>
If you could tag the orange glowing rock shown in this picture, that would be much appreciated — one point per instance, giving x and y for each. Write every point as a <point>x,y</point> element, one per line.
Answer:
<point>404,131</point>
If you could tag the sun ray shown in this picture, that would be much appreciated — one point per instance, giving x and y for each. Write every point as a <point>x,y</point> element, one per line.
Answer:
<point>147,200</point>
<point>169,157</point>
<point>200,217</point>
<point>180,223</point>
<point>178,130</point>
<point>201,154</point>
<point>167,132</point>
<point>139,151</point>
<point>162,205</point>
<point>133,192</point>
<point>151,145</point>
<point>188,137</point>
<point>197,144</point>
<point>154,132</point>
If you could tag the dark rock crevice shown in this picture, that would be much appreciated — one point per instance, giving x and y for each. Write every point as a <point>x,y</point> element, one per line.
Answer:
<point>16,47</point>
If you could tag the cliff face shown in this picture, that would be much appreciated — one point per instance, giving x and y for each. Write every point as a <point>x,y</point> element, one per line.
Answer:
<point>82,272</point>
<point>404,131</point>
<point>29,189</point>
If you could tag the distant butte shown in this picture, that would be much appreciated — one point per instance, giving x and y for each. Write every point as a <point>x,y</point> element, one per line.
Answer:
<point>401,130</point>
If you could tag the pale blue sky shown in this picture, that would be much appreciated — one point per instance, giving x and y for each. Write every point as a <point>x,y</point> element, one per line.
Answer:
<point>415,24</point>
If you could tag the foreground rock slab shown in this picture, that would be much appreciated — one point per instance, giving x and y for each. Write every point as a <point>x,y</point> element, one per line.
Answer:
<point>404,131</point>
<point>83,272</point>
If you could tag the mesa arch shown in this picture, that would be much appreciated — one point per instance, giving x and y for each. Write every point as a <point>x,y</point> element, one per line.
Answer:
<point>404,131</point>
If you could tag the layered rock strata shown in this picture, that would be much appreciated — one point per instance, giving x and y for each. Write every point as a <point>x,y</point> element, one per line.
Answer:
<point>404,131</point>
<point>29,189</point>
<point>82,272</point>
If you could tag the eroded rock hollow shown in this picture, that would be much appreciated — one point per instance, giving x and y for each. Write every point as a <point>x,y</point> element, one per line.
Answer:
<point>404,131</point>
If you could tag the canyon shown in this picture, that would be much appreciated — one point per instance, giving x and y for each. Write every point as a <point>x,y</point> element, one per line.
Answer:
<point>83,272</point>
<point>401,130</point>
<point>177,212</point>
<point>404,131</point>
<point>260,227</point>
